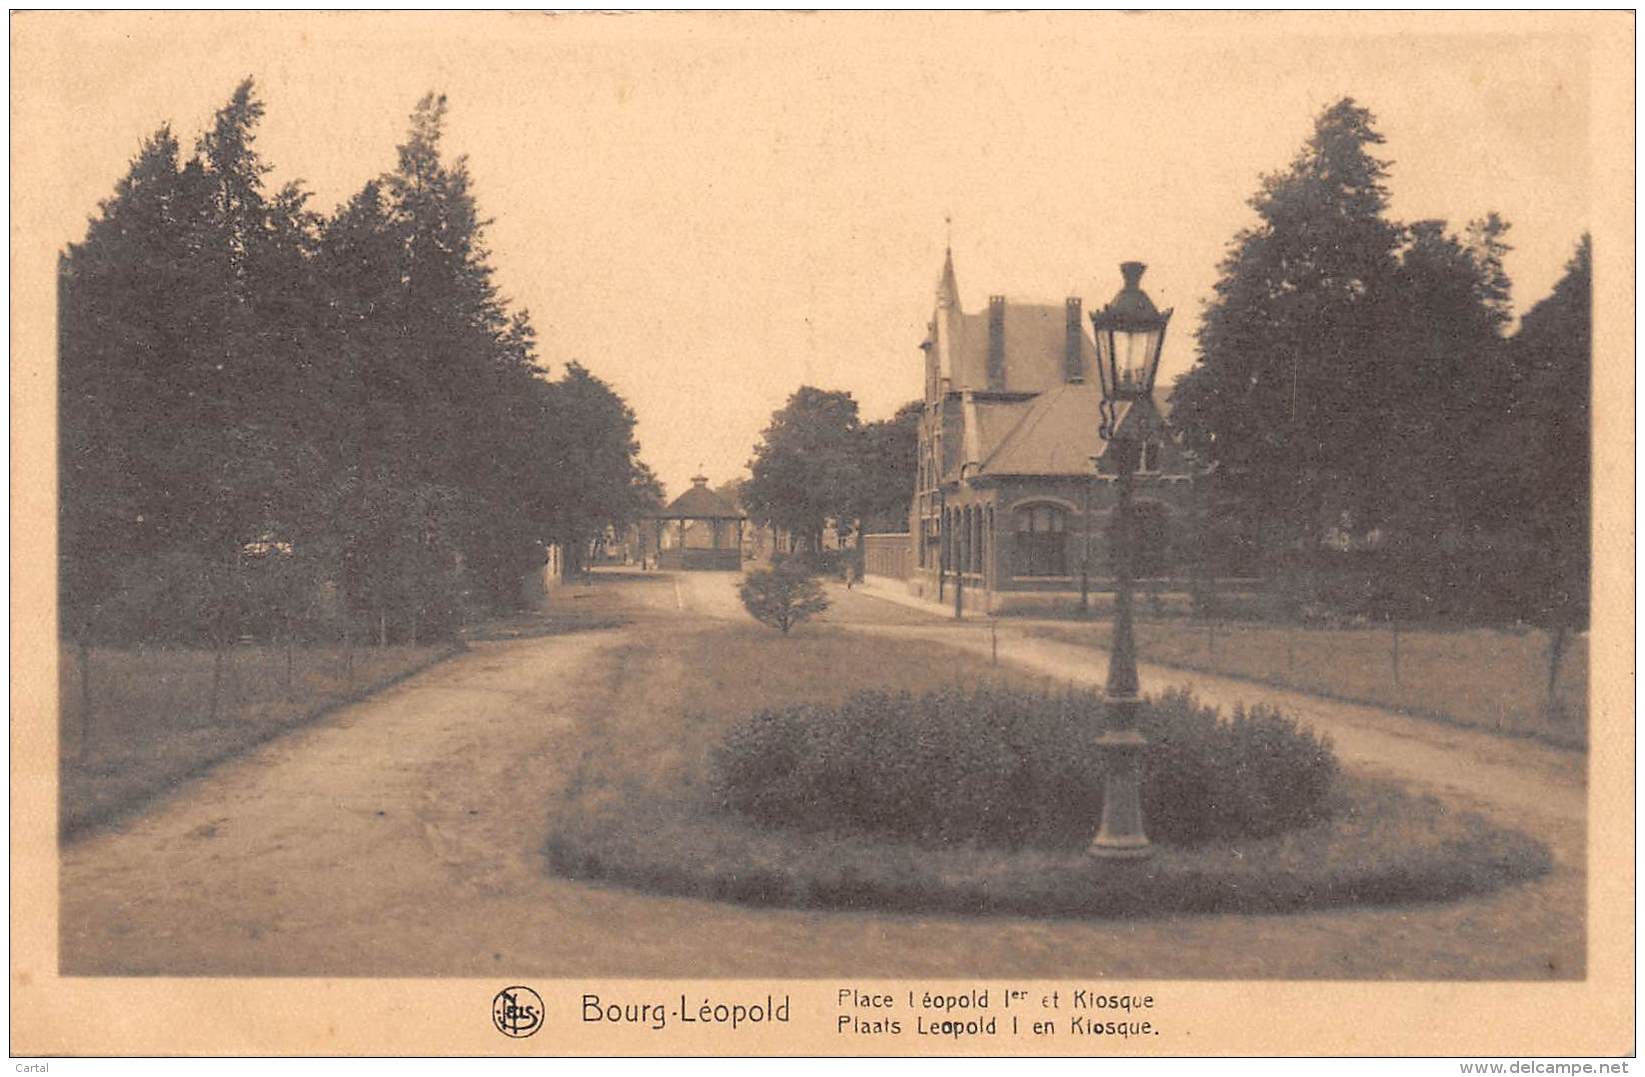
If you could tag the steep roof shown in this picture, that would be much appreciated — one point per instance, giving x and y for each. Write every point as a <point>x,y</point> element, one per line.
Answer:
<point>989,422</point>
<point>1058,435</point>
<point>699,503</point>
<point>1037,422</point>
<point>1036,337</point>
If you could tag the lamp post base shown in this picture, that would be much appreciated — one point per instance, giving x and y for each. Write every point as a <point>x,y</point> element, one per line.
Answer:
<point>1099,851</point>
<point>1121,836</point>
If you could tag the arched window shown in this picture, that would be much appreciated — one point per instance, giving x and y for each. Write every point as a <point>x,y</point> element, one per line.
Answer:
<point>976,541</point>
<point>1041,549</point>
<point>989,567</point>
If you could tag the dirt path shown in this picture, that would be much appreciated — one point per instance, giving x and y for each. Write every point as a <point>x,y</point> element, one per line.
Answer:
<point>401,837</point>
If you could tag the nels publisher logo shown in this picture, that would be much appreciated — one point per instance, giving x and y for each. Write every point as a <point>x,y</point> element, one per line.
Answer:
<point>517,1012</point>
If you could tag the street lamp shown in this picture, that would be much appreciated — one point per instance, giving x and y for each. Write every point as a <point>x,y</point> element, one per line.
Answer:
<point>1129,334</point>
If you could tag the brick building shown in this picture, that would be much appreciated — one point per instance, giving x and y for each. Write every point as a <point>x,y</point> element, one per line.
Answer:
<point>1008,503</point>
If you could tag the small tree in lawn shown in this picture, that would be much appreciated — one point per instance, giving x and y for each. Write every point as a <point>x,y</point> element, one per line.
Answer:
<point>782,597</point>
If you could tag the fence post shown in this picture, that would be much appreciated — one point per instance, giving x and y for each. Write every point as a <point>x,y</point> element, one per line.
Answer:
<point>216,678</point>
<point>85,698</point>
<point>1558,640</point>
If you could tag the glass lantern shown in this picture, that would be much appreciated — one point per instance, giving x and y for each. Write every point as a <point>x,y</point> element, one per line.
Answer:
<point>1130,331</point>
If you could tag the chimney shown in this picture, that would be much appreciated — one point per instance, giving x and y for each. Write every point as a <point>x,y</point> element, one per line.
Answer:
<point>1073,364</point>
<point>996,342</point>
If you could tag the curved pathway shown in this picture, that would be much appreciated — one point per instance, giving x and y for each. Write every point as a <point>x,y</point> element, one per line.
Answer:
<point>401,836</point>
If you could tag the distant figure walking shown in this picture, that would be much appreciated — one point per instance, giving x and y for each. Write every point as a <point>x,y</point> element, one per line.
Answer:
<point>850,575</point>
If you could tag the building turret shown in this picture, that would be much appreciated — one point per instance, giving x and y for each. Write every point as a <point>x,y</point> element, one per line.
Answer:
<point>948,289</point>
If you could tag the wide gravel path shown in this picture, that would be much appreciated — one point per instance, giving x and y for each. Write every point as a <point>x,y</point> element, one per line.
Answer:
<point>401,836</point>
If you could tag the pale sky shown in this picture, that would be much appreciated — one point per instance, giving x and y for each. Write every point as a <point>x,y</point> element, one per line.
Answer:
<point>710,210</point>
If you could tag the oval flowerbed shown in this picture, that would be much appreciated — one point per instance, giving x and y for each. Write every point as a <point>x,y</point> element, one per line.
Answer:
<point>982,801</point>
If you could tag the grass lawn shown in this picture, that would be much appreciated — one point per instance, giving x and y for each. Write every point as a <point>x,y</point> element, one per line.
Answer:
<point>1486,678</point>
<point>149,722</point>
<point>654,736</point>
<point>638,808</point>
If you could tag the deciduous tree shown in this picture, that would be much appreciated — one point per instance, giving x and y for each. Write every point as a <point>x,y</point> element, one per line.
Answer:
<point>887,459</point>
<point>804,472</point>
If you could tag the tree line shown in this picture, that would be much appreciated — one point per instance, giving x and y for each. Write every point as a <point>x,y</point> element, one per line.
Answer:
<point>1379,439</point>
<point>1380,436</point>
<point>273,420</point>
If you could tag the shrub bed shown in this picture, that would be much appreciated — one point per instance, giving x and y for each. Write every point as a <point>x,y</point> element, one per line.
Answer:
<point>1016,769</point>
<point>645,803</point>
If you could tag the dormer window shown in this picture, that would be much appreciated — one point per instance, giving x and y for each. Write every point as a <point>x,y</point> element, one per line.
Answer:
<point>1153,451</point>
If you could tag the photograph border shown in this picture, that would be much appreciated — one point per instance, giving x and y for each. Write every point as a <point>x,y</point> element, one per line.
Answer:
<point>53,1015</point>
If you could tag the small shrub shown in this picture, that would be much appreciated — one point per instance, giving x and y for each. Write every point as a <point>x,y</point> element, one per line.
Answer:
<point>782,597</point>
<point>1016,769</point>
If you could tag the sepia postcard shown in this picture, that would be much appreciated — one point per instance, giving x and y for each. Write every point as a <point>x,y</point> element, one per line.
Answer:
<point>823,533</point>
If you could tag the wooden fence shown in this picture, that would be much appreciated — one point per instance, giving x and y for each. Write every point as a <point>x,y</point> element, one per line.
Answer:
<point>888,555</point>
